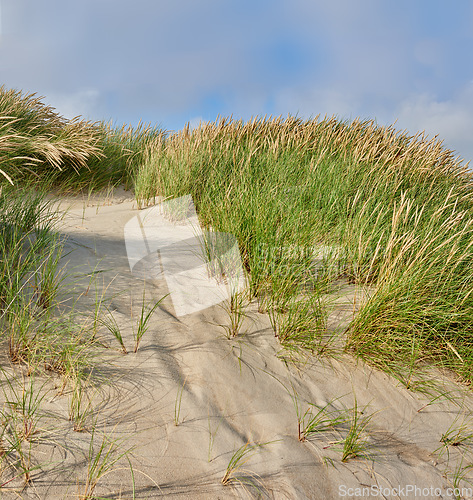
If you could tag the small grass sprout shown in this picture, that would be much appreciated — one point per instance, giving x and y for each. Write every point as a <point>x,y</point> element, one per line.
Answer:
<point>80,403</point>
<point>460,474</point>
<point>234,307</point>
<point>23,402</point>
<point>459,434</point>
<point>356,443</point>
<point>238,459</point>
<point>322,420</point>
<point>101,459</point>
<point>143,321</point>
<point>212,434</point>
<point>111,324</point>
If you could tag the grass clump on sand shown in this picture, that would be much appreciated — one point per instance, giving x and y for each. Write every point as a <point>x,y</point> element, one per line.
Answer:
<point>38,145</point>
<point>35,339</point>
<point>35,141</point>
<point>41,338</point>
<point>395,208</point>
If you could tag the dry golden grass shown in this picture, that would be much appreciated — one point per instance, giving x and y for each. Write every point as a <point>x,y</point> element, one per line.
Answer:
<point>34,138</point>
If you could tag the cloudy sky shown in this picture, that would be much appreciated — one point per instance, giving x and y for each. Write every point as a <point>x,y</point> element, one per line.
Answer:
<point>169,62</point>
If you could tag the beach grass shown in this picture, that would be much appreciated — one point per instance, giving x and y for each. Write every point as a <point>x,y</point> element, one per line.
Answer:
<point>39,146</point>
<point>397,209</point>
<point>311,203</point>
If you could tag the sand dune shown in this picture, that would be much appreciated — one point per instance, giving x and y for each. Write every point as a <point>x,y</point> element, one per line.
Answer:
<point>225,393</point>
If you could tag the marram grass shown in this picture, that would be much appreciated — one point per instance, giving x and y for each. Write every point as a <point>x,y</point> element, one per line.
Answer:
<point>396,209</point>
<point>39,145</point>
<point>311,203</point>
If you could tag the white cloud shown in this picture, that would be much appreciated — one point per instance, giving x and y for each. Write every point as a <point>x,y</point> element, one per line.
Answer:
<point>309,101</point>
<point>451,119</point>
<point>81,103</point>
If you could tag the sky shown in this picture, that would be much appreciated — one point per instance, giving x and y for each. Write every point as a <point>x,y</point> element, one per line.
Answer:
<point>170,62</point>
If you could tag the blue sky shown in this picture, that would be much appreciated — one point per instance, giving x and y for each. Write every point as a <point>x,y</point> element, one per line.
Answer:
<point>169,62</point>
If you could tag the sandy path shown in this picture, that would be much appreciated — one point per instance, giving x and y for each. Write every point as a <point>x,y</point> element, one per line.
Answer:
<point>233,393</point>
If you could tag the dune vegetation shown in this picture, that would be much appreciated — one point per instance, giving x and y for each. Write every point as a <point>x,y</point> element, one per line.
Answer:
<point>395,210</point>
<point>392,213</point>
<point>312,203</point>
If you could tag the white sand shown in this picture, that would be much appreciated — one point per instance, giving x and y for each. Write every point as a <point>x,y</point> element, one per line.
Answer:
<point>232,394</point>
